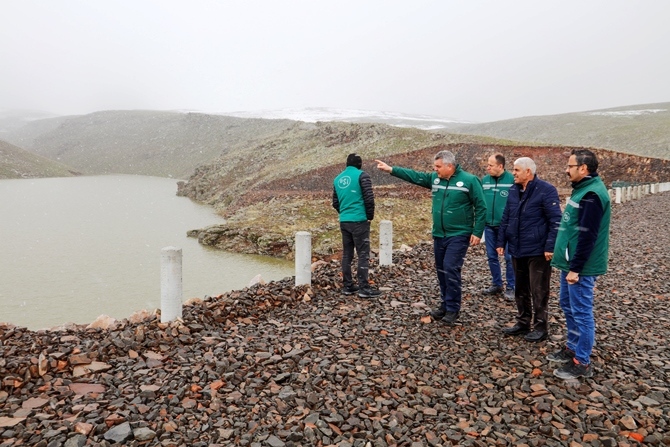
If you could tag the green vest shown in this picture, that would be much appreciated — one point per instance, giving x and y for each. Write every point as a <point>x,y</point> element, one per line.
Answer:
<point>568,231</point>
<point>495,194</point>
<point>348,189</point>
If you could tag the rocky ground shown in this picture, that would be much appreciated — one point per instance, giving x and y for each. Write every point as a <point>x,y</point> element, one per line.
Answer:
<point>275,365</point>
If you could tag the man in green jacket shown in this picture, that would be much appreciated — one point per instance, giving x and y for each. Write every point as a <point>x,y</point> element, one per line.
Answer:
<point>354,200</point>
<point>581,254</point>
<point>459,215</point>
<point>496,185</point>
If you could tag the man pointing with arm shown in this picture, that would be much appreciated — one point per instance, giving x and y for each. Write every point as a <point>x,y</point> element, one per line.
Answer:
<point>459,215</point>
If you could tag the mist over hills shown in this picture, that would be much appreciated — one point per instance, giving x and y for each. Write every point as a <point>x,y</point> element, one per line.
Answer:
<point>637,129</point>
<point>19,163</point>
<point>315,114</point>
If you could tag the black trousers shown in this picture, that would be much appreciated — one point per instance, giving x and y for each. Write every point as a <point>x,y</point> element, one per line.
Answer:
<point>533,277</point>
<point>355,235</point>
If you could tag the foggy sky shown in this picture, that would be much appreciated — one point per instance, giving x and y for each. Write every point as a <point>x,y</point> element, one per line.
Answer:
<point>470,60</point>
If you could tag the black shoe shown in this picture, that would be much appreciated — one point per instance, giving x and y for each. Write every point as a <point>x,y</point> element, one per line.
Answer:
<point>368,292</point>
<point>349,290</point>
<point>536,336</point>
<point>509,294</point>
<point>438,314</point>
<point>563,355</point>
<point>573,370</point>
<point>493,290</point>
<point>517,329</point>
<point>450,317</point>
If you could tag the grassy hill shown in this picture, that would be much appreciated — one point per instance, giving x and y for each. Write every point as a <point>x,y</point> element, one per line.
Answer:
<point>164,144</point>
<point>281,185</point>
<point>639,129</point>
<point>18,163</point>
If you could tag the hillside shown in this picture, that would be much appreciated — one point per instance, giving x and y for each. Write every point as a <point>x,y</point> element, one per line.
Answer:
<point>301,151</point>
<point>639,129</point>
<point>164,144</point>
<point>18,163</point>
<point>284,185</point>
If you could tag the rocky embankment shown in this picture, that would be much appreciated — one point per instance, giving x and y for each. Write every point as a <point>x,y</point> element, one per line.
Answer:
<point>275,365</point>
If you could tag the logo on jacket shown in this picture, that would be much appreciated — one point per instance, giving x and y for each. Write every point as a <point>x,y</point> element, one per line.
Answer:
<point>344,182</point>
<point>459,184</point>
<point>437,181</point>
<point>503,193</point>
<point>566,216</point>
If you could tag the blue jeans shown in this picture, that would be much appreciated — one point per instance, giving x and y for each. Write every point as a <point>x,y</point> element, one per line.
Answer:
<point>576,300</point>
<point>491,239</point>
<point>449,257</point>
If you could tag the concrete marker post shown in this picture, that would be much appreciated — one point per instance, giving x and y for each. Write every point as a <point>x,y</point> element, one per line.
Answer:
<point>303,258</point>
<point>171,284</point>
<point>618,195</point>
<point>386,242</point>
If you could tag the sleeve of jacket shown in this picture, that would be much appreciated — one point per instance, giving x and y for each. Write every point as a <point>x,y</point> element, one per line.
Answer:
<point>501,242</point>
<point>336,201</point>
<point>368,195</point>
<point>409,175</point>
<point>553,214</point>
<point>479,205</point>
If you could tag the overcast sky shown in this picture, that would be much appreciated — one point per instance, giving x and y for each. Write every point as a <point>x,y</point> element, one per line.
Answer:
<point>470,60</point>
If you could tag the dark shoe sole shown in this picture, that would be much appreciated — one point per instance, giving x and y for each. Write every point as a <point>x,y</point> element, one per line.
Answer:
<point>521,333</point>
<point>537,340</point>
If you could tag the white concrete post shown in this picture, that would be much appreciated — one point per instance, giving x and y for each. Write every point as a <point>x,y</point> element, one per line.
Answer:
<point>629,193</point>
<point>639,191</point>
<point>618,195</point>
<point>653,189</point>
<point>385,242</point>
<point>171,285</point>
<point>303,258</point>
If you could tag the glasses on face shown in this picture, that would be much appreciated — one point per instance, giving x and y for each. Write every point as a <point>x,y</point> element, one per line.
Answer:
<point>573,166</point>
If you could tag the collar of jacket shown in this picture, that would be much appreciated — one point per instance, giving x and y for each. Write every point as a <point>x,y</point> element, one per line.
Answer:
<point>585,181</point>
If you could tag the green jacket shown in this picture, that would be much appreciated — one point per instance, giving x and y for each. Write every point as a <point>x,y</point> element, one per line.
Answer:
<point>569,230</point>
<point>496,190</point>
<point>459,208</point>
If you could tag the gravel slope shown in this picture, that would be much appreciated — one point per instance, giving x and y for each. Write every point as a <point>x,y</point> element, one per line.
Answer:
<point>277,365</point>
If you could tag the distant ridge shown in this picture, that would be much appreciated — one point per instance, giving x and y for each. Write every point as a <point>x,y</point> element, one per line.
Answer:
<point>316,114</point>
<point>142,142</point>
<point>638,129</point>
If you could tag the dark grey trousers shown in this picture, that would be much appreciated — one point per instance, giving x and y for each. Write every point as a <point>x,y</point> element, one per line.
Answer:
<point>355,235</point>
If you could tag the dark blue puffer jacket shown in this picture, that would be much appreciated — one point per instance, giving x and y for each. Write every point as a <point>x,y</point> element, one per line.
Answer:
<point>530,222</point>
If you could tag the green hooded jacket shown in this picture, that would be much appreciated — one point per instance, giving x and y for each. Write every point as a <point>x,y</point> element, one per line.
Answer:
<point>459,208</point>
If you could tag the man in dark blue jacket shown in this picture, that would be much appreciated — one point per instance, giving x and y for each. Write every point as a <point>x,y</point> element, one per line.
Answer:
<point>529,226</point>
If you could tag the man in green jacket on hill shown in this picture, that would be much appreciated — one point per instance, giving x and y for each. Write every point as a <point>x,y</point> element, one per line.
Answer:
<point>496,185</point>
<point>581,254</point>
<point>354,200</point>
<point>459,215</point>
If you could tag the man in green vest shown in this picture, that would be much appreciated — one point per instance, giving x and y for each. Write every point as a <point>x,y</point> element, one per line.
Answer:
<point>459,214</point>
<point>354,200</point>
<point>581,254</point>
<point>496,185</point>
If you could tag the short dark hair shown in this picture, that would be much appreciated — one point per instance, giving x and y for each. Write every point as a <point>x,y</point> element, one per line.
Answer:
<point>354,160</point>
<point>500,158</point>
<point>586,157</point>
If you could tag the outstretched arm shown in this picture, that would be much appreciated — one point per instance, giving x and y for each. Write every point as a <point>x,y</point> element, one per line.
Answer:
<point>383,166</point>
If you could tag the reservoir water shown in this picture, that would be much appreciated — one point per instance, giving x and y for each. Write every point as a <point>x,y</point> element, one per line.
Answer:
<point>72,249</point>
